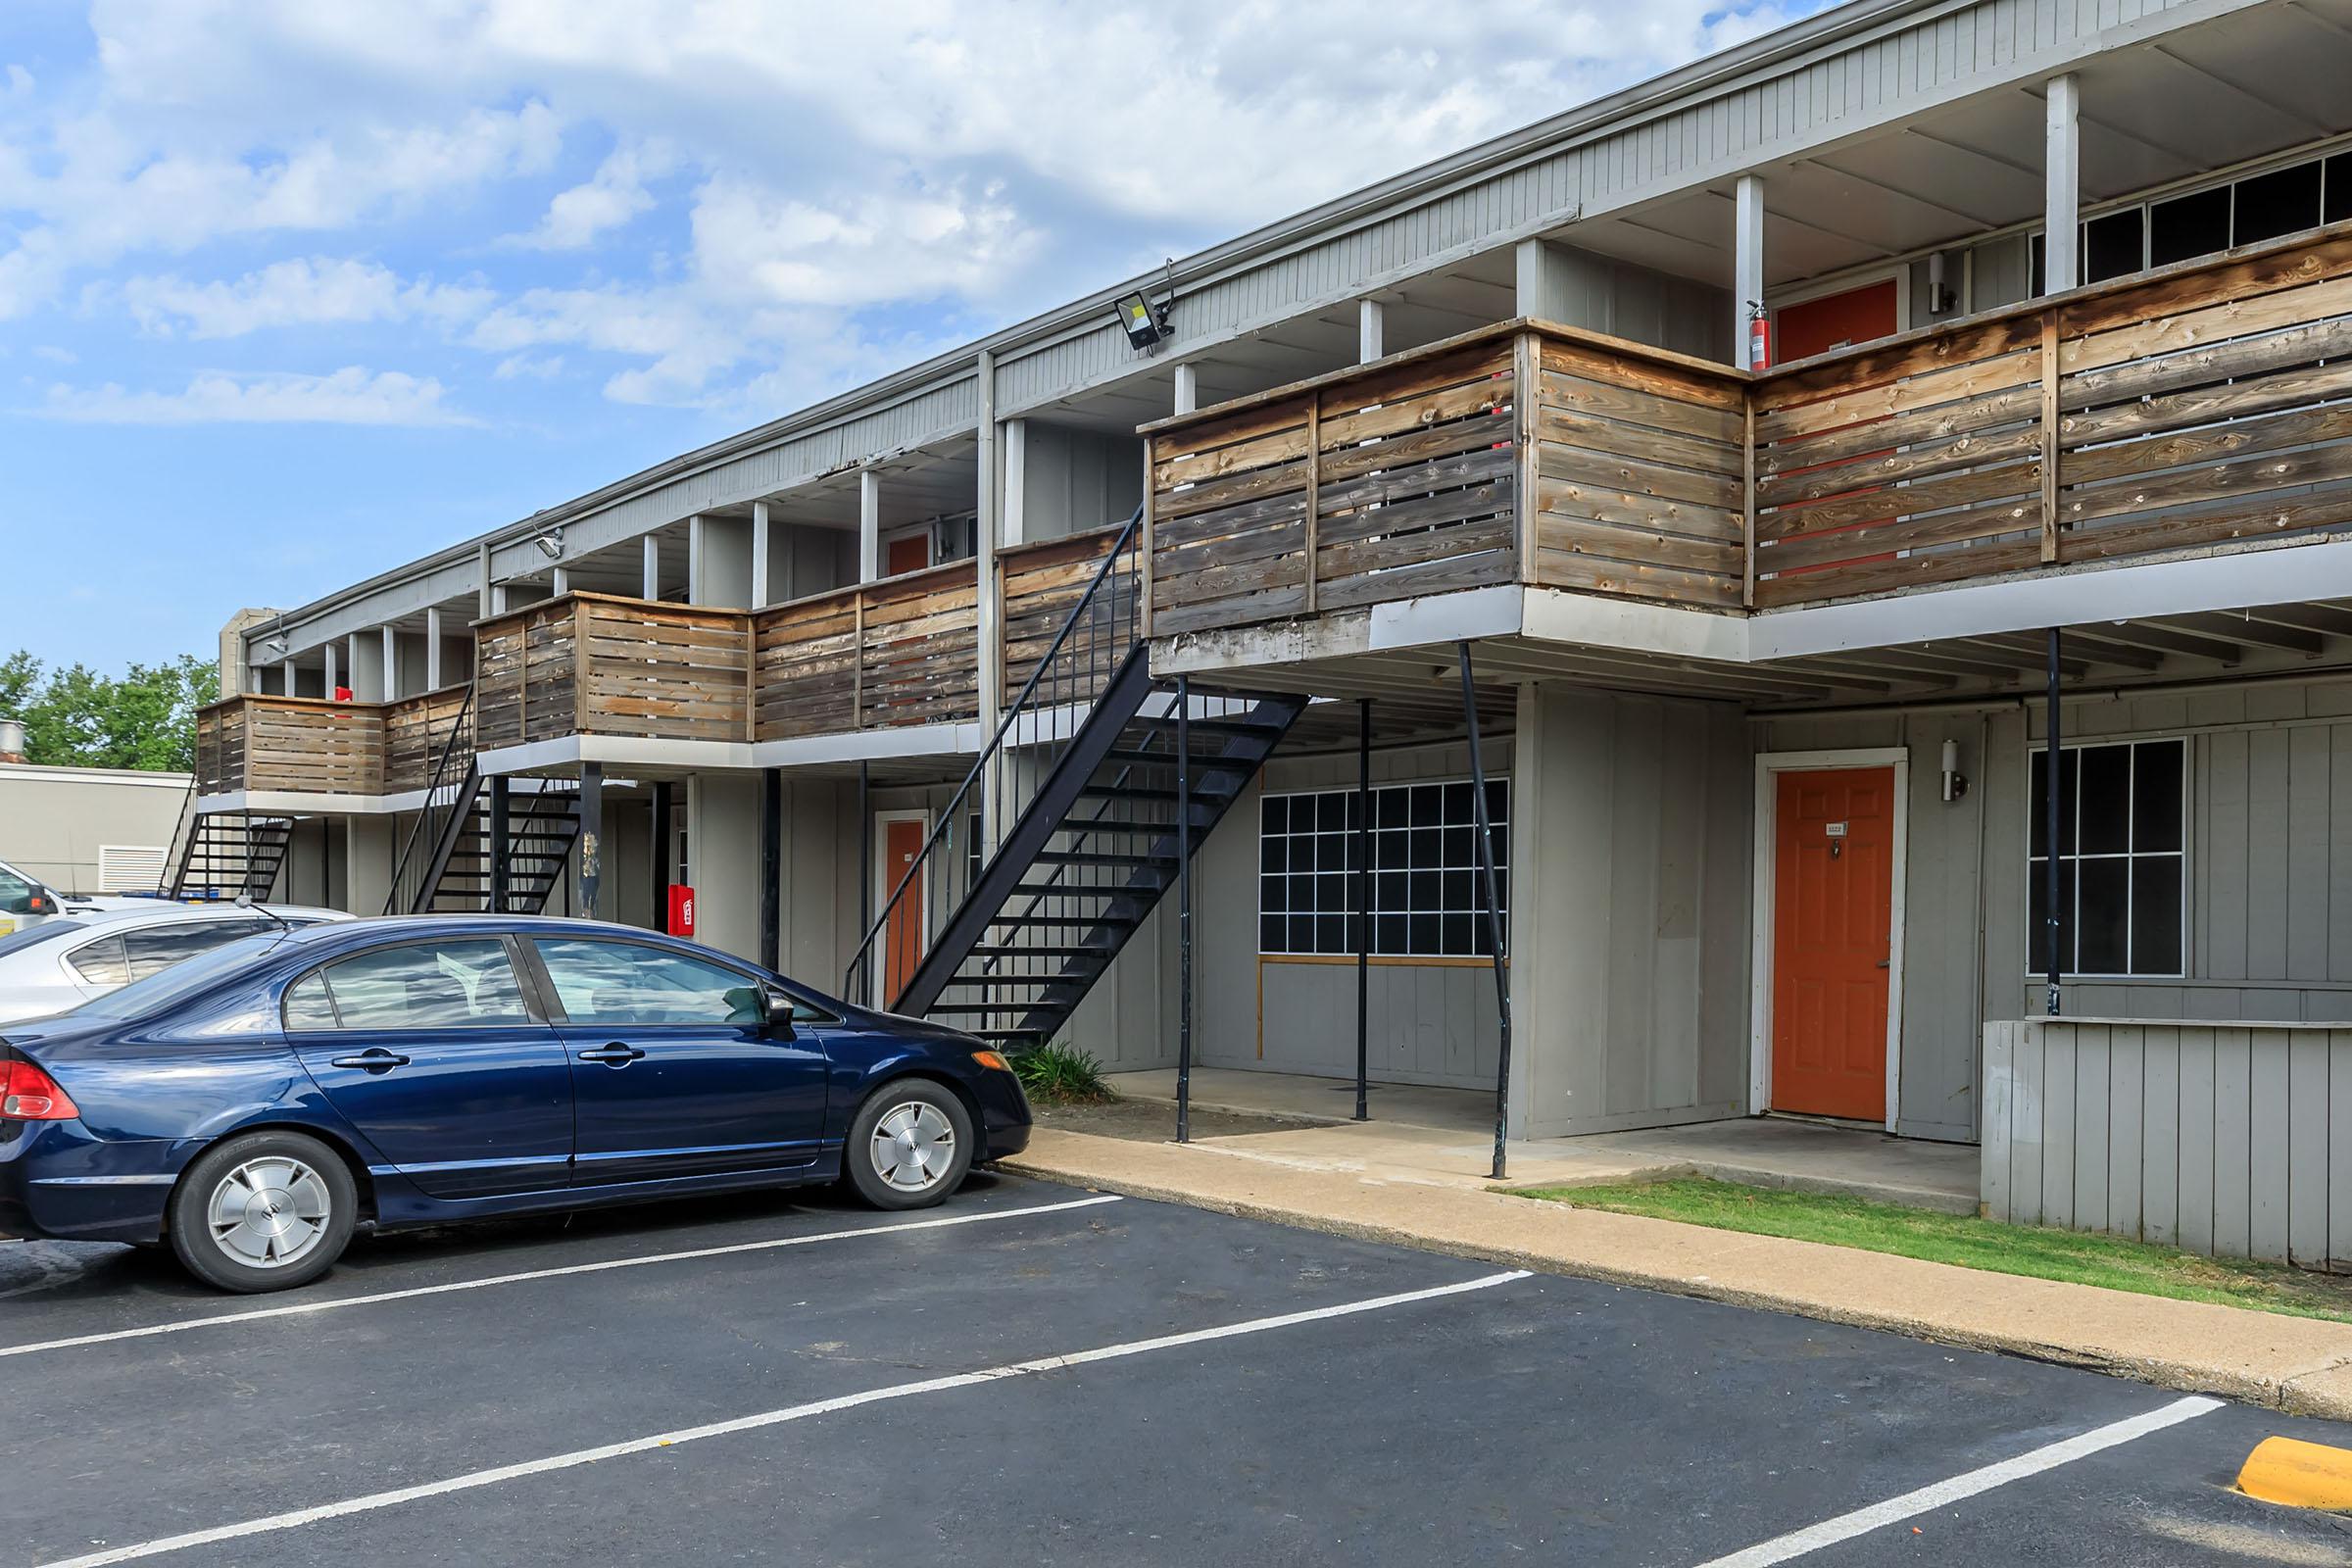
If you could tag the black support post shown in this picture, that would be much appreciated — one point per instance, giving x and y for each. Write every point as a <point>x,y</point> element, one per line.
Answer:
<point>660,911</point>
<point>865,870</point>
<point>1493,901</point>
<point>2054,918</point>
<point>592,841</point>
<point>498,846</point>
<point>1184,910</point>
<point>1363,906</point>
<point>772,869</point>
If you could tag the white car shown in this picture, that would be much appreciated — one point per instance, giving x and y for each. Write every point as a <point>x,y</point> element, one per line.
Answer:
<point>24,900</point>
<point>69,959</point>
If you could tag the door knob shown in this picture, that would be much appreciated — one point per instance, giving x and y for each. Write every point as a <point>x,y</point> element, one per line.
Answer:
<point>374,1059</point>
<point>614,1055</point>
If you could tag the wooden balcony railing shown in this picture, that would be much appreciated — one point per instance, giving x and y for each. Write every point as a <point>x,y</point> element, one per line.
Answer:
<point>290,744</point>
<point>2187,409</point>
<point>416,730</point>
<point>901,650</point>
<point>1041,584</point>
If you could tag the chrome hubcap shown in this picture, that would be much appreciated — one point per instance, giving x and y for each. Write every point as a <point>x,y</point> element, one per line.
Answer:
<point>269,1212</point>
<point>913,1146</point>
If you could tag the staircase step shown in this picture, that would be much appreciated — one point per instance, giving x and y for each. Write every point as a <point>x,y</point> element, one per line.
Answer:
<point>1240,728</point>
<point>1048,951</point>
<point>1086,922</point>
<point>1222,764</point>
<point>1097,858</point>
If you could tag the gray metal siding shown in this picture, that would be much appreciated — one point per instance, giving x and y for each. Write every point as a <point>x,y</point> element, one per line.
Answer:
<point>1632,850</point>
<point>2227,1139</point>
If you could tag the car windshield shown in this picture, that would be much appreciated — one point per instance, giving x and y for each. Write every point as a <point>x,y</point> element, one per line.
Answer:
<point>143,999</point>
<point>32,936</point>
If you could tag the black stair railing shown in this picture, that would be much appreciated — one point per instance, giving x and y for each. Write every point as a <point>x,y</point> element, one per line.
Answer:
<point>445,796</point>
<point>184,835</point>
<point>1036,728</point>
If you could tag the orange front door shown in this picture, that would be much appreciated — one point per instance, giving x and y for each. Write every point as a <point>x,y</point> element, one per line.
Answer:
<point>903,945</point>
<point>1834,320</point>
<point>912,553</point>
<point>1832,940</point>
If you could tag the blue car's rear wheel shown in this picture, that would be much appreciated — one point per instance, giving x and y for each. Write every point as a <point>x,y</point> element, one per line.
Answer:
<point>909,1144</point>
<point>263,1212</point>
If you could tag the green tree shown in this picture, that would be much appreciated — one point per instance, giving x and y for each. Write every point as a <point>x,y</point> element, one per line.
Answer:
<point>76,718</point>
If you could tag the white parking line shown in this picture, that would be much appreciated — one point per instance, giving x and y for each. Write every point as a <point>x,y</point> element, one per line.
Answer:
<point>1847,1526</point>
<point>304,1308</point>
<point>477,1479</point>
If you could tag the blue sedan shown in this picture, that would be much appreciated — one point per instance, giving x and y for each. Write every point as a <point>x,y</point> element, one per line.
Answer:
<point>253,1107</point>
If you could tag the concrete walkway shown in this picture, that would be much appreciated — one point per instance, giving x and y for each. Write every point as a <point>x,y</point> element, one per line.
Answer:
<point>1446,1136</point>
<point>2300,1365</point>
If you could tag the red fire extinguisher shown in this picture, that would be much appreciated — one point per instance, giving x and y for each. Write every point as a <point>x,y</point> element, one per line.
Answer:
<point>1759,336</point>
<point>681,909</point>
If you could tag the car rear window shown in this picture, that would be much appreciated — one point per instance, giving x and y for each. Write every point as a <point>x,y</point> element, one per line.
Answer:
<point>142,999</point>
<point>32,936</point>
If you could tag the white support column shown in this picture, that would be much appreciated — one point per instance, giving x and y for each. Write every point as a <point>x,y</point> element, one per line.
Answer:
<point>870,525</point>
<point>433,672</point>
<point>2062,181</point>
<point>391,639</point>
<point>1188,389</point>
<point>1369,336</point>
<point>653,567</point>
<point>500,601</point>
<point>1016,482</point>
<point>481,577</point>
<point>761,596</point>
<point>560,583</point>
<point>698,560</point>
<point>285,676</point>
<point>1747,265</point>
<point>991,620</point>
<point>328,687</point>
<point>365,655</point>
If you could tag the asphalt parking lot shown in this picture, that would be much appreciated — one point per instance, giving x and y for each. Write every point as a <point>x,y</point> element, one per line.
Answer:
<point>1034,1374</point>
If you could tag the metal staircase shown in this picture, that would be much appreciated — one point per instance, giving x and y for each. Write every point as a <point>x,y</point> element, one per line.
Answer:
<point>543,824</point>
<point>229,855</point>
<point>1084,767</point>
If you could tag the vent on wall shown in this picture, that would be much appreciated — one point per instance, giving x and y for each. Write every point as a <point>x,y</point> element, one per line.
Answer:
<point>130,867</point>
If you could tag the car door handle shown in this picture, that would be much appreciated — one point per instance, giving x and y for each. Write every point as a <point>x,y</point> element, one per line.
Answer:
<point>614,1055</point>
<point>373,1060</point>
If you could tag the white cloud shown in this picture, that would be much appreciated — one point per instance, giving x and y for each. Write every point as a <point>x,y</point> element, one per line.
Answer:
<point>317,292</point>
<point>575,217</point>
<point>55,354</point>
<point>543,368</point>
<point>348,396</point>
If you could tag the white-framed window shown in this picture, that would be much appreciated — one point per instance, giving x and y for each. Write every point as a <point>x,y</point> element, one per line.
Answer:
<point>1427,901</point>
<point>2123,860</point>
<point>2182,225</point>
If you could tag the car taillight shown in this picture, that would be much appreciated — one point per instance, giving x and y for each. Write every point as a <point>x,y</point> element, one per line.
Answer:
<point>27,1093</point>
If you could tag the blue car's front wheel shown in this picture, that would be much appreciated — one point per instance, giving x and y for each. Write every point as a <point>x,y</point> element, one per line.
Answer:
<point>262,1211</point>
<point>909,1144</point>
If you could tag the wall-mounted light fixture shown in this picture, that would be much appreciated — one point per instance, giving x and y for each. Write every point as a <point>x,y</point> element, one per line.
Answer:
<point>1146,322</point>
<point>1940,297</point>
<point>1955,782</point>
<point>551,543</point>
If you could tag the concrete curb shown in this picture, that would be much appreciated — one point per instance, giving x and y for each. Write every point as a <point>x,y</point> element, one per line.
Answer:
<point>2300,1366</point>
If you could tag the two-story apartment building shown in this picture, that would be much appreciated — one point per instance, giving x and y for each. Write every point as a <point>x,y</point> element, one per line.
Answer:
<point>1778,451</point>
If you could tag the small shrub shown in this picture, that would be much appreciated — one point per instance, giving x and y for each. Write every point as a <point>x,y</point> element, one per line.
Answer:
<point>1063,1075</point>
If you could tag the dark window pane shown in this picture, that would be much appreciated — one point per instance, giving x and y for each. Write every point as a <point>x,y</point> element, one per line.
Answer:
<point>1423,940</point>
<point>2106,784</point>
<point>2276,203</point>
<point>1270,854</point>
<point>1427,892</point>
<point>1331,814</point>
<point>1335,893</point>
<point>1461,890</point>
<point>1269,933</point>
<point>307,1004</point>
<point>1354,933</point>
<point>2103,909</point>
<point>1388,891</point>
<point>153,950</point>
<point>1273,895</point>
<point>1457,936</point>
<point>2070,767</point>
<point>1302,934</point>
<point>2156,915</point>
<point>1499,801</point>
<point>2156,795</point>
<point>427,984</point>
<point>2339,188</point>
<point>2034,267</point>
<point>1388,851</point>
<point>1429,848</point>
<point>2189,225</point>
<point>2036,927</point>
<point>1484,944</point>
<point>1461,847</point>
<point>1331,933</point>
<point>1459,807</point>
<point>1331,852</point>
<point>1392,808</point>
<point>1274,813</point>
<point>2111,245</point>
<point>2037,816</point>
<point>101,963</point>
<point>1428,805</point>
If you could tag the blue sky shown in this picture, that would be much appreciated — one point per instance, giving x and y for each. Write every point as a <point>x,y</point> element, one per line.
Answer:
<point>292,291</point>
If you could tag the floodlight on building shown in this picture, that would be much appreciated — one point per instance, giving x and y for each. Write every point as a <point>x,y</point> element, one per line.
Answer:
<point>551,543</point>
<point>275,647</point>
<point>1146,324</point>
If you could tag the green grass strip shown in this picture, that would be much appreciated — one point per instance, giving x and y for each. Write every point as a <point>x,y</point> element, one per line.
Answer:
<point>2038,1251</point>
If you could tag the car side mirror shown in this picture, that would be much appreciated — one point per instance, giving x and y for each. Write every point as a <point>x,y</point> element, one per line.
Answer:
<point>777,1005</point>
